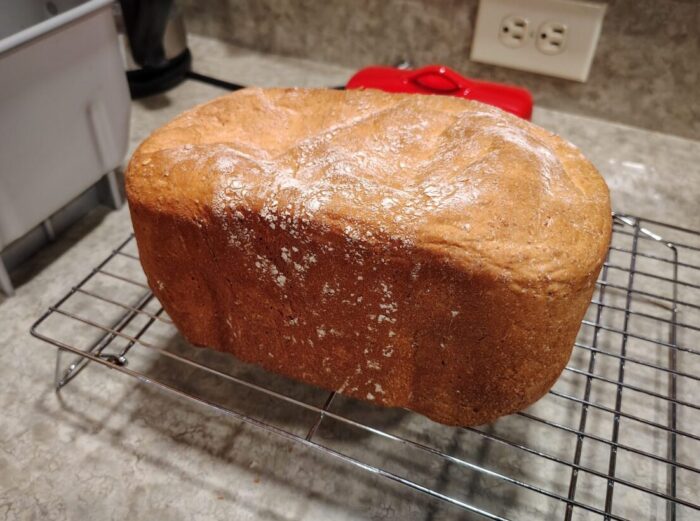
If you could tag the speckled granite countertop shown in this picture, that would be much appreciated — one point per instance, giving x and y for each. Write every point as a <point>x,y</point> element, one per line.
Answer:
<point>108,448</point>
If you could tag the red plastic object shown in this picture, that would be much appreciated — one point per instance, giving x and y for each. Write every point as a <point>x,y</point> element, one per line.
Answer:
<point>437,79</point>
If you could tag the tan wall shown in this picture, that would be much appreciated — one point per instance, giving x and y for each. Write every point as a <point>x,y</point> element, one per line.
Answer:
<point>646,71</point>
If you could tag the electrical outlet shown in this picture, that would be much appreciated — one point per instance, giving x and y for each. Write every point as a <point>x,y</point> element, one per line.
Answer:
<point>553,37</point>
<point>514,31</point>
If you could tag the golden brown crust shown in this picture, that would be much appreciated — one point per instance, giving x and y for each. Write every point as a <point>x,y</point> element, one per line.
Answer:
<point>417,251</point>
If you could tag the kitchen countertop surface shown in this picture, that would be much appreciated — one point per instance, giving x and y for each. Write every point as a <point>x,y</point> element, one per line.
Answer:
<point>107,447</point>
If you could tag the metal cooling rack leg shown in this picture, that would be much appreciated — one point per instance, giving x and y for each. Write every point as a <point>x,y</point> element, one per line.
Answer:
<point>621,375</point>
<point>62,377</point>
<point>322,415</point>
<point>586,397</point>
<point>672,412</point>
<point>672,363</point>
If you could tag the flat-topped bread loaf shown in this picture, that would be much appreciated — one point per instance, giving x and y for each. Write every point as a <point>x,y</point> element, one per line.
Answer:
<point>416,251</point>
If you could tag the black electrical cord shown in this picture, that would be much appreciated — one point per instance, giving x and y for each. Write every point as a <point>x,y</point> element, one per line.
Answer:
<point>226,84</point>
<point>214,81</point>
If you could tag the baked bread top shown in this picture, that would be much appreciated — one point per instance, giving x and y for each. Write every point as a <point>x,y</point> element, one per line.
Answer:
<point>491,192</point>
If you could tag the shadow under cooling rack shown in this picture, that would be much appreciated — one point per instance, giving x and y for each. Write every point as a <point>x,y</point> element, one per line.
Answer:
<point>618,436</point>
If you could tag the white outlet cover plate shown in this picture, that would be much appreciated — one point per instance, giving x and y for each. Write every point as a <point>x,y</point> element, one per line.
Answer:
<point>583,21</point>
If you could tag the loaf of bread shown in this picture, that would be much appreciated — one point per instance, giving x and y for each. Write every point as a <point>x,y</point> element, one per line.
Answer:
<point>414,251</point>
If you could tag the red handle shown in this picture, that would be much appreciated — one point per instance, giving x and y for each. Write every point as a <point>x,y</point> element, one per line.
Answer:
<point>438,79</point>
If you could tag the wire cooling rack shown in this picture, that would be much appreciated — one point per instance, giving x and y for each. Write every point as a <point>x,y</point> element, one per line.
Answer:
<point>618,437</point>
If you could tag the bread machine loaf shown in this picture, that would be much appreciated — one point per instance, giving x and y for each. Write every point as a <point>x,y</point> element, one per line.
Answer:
<point>414,251</point>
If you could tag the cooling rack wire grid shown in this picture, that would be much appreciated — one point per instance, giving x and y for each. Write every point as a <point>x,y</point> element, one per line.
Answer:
<point>618,436</point>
